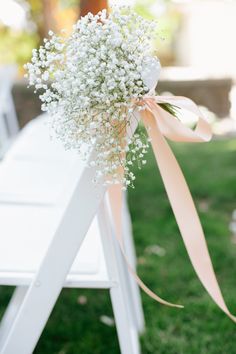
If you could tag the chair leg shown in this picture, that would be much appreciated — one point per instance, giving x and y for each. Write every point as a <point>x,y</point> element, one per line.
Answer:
<point>11,311</point>
<point>127,333</point>
<point>136,301</point>
<point>121,296</point>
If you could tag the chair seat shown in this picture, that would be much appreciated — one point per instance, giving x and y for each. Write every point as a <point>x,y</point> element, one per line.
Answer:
<point>25,234</point>
<point>34,142</point>
<point>36,169</point>
<point>39,182</point>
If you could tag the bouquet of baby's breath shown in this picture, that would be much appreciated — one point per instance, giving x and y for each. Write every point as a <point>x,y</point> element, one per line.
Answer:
<point>91,84</point>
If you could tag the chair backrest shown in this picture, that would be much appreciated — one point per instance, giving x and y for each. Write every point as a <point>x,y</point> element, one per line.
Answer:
<point>8,119</point>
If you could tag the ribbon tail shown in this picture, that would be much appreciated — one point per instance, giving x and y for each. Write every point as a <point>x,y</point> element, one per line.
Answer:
<point>184,211</point>
<point>115,197</point>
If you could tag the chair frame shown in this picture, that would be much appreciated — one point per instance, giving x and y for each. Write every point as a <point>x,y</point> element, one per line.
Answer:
<point>30,306</point>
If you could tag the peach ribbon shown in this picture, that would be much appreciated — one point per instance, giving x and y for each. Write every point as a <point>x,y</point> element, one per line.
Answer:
<point>160,124</point>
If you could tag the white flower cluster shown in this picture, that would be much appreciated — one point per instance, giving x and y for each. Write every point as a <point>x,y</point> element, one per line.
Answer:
<point>91,83</point>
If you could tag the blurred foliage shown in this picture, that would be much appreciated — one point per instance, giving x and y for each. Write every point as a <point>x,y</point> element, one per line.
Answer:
<point>53,15</point>
<point>16,45</point>
<point>68,3</point>
<point>168,23</point>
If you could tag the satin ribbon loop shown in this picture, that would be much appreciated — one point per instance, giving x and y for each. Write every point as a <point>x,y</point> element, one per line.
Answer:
<point>174,129</point>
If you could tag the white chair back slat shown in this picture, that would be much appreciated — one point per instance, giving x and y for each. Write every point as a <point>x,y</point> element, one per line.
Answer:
<point>8,119</point>
<point>4,133</point>
<point>12,121</point>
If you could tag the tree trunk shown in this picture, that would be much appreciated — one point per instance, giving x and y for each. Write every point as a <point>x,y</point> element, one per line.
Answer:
<point>93,6</point>
<point>47,20</point>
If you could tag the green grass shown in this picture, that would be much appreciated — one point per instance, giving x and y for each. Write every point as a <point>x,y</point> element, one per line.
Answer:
<point>199,328</point>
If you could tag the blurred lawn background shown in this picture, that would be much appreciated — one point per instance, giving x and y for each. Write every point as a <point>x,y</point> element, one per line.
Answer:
<point>196,35</point>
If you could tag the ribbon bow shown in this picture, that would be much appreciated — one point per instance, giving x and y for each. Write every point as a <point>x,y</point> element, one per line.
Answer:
<point>160,124</point>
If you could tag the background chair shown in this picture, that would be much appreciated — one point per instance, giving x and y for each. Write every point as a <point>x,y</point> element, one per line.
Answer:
<point>8,119</point>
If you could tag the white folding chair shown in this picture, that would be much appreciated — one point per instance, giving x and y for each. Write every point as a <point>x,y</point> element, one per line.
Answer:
<point>37,170</point>
<point>53,236</point>
<point>8,119</point>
